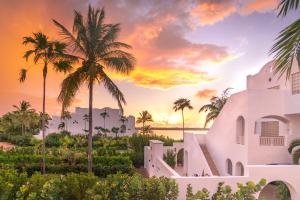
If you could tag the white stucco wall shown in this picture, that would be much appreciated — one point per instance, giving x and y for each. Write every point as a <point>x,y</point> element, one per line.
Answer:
<point>76,124</point>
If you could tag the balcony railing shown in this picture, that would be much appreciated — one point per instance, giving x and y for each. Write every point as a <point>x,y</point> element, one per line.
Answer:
<point>271,140</point>
<point>240,139</point>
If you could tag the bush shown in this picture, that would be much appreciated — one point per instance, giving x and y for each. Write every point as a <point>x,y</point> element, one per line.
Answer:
<point>137,158</point>
<point>170,158</point>
<point>20,140</point>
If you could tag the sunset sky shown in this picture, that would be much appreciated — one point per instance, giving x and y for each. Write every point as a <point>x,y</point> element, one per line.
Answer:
<point>184,48</point>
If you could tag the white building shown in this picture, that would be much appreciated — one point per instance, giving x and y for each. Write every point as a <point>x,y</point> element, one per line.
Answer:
<point>78,123</point>
<point>248,141</point>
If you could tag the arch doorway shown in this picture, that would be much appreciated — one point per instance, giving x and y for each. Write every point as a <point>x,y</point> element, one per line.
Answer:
<point>276,190</point>
<point>180,157</point>
<point>239,169</point>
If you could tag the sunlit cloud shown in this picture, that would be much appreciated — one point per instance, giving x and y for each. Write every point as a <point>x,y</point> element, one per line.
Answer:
<point>210,12</point>
<point>206,93</point>
<point>259,6</point>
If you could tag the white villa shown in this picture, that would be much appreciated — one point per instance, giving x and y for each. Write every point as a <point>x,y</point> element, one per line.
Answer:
<point>248,140</point>
<point>77,124</point>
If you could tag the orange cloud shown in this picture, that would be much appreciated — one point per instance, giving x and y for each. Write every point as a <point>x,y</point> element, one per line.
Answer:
<point>211,12</point>
<point>206,93</point>
<point>259,5</point>
<point>165,78</point>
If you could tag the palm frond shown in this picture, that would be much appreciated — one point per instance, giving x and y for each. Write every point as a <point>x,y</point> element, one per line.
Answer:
<point>70,39</point>
<point>28,39</point>
<point>27,54</point>
<point>293,144</point>
<point>22,75</point>
<point>120,61</point>
<point>286,49</point>
<point>286,5</point>
<point>296,156</point>
<point>62,66</point>
<point>111,88</point>
<point>70,86</point>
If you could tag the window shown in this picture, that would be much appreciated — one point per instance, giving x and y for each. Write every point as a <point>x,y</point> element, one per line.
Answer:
<point>240,130</point>
<point>270,128</point>
<point>296,83</point>
<point>229,166</point>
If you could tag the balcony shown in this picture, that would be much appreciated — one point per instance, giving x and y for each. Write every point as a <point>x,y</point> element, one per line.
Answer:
<point>240,139</point>
<point>271,140</point>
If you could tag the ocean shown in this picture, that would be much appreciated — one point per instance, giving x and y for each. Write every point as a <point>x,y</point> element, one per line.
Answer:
<point>175,134</point>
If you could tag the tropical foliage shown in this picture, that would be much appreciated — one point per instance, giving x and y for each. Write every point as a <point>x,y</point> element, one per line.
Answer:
<point>143,118</point>
<point>170,158</point>
<point>94,43</point>
<point>181,104</point>
<point>224,192</point>
<point>215,106</point>
<point>286,49</point>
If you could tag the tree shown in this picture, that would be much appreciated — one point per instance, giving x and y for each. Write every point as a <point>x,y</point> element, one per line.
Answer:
<point>48,53</point>
<point>144,117</point>
<point>104,115</point>
<point>66,116</point>
<point>24,112</point>
<point>61,126</point>
<point>115,130</point>
<point>181,104</point>
<point>95,44</point>
<point>85,119</point>
<point>123,119</point>
<point>287,44</point>
<point>215,106</point>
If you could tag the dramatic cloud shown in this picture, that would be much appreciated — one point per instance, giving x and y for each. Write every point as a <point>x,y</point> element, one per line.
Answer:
<point>206,93</point>
<point>212,11</point>
<point>259,6</point>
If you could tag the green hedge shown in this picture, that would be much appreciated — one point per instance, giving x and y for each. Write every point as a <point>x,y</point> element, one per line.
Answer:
<point>84,186</point>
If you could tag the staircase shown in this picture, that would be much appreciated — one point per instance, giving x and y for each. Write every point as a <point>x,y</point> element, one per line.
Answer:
<point>209,160</point>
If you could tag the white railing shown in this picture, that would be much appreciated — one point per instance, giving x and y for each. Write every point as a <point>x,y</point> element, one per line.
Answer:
<point>240,139</point>
<point>271,140</point>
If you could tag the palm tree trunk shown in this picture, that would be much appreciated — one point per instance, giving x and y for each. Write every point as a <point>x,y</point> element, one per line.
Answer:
<point>90,136</point>
<point>182,122</point>
<point>143,128</point>
<point>43,118</point>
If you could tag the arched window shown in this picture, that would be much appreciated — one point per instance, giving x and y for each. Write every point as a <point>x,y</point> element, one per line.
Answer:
<point>239,169</point>
<point>240,130</point>
<point>229,166</point>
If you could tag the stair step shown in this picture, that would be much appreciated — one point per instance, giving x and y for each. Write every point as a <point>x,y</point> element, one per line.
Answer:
<point>209,160</point>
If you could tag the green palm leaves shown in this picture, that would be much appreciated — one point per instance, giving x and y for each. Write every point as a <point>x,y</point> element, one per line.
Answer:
<point>287,45</point>
<point>215,106</point>
<point>287,48</point>
<point>144,117</point>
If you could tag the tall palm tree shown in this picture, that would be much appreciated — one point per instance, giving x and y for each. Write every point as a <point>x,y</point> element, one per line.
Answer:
<point>45,52</point>
<point>95,44</point>
<point>24,112</point>
<point>181,104</point>
<point>215,106</point>
<point>104,115</point>
<point>144,117</point>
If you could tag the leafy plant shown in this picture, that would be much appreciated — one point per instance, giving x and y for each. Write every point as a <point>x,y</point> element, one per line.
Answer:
<point>170,158</point>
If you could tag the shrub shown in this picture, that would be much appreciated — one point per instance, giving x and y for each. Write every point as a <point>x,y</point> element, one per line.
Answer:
<point>20,140</point>
<point>170,158</point>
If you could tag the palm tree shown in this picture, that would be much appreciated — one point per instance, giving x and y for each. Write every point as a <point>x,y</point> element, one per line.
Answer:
<point>85,119</point>
<point>104,115</point>
<point>181,104</point>
<point>66,116</point>
<point>123,119</point>
<point>144,117</point>
<point>287,46</point>
<point>47,53</point>
<point>115,130</point>
<point>95,44</point>
<point>215,106</point>
<point>24,112</point>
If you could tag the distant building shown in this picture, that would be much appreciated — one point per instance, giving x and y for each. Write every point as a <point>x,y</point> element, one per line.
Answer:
<point>78,124</point>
